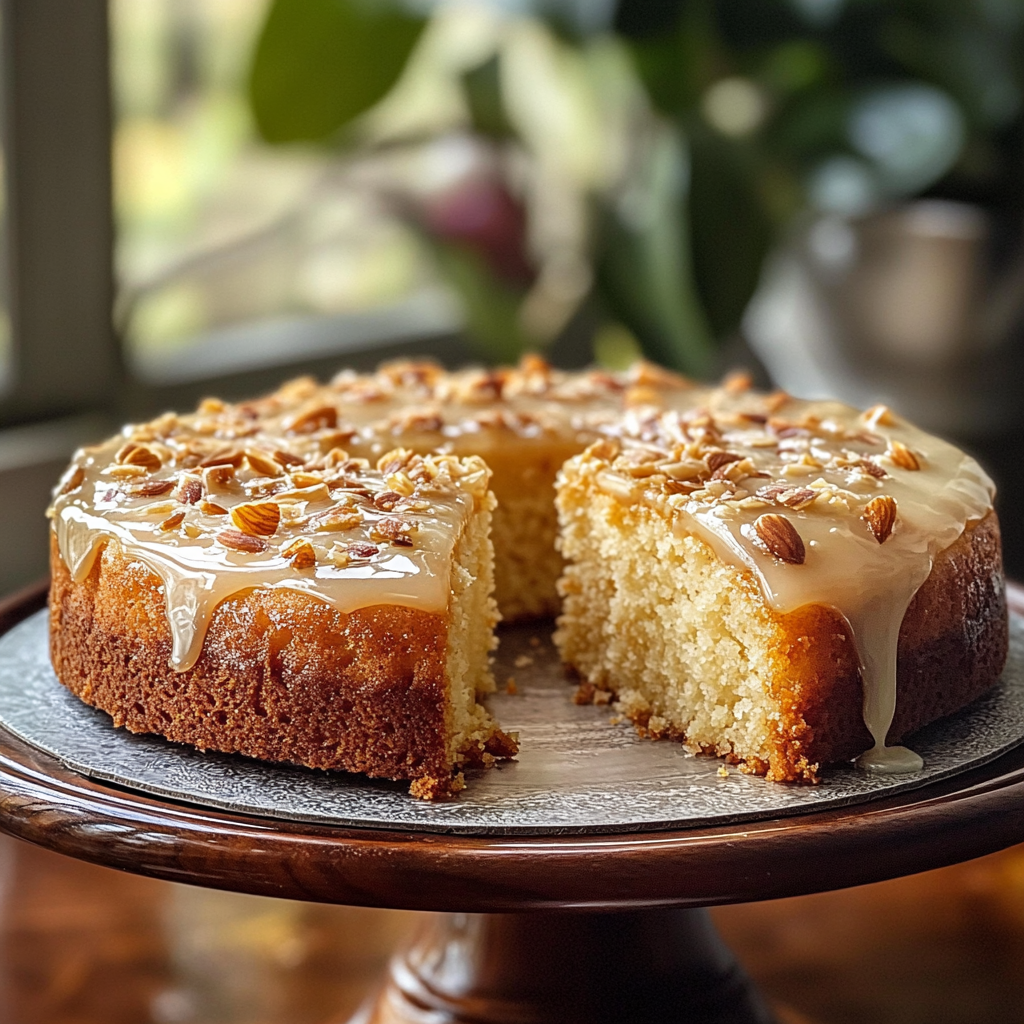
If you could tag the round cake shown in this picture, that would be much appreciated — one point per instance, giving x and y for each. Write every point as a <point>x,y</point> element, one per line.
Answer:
<point>308,577</point>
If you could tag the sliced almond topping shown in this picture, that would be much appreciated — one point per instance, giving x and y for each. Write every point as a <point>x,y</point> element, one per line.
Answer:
<point>336,519</point>
<point>606,450</point>
<point>73,480</point>
<point>262,463</point>
<point>685,469</point>
<point>323,417</point>
<point>779,538</point>
<point>238,541</point>
<point>317,493</point>
<point>211,508</point>
<point>360,550</point>
<point>172,521</point>
<point>394,530</point>
<point>878,416</point>
<point>305,479</point>
<point>287,458</point>
<point>219,479</point>
<point>737,382</point>
<point>715,460</point>
<point>125,472</point>
<point>190,490</point>
<point>784,494</point>
<point>301,554</point>
<point>902,456</point>
<point>150,488</point>
<point>872,468</point>
<point>224,457</point>
<point>260,518</point>
<point>141,455</point>
<point>387,500</point>
<point>394,460</point>
<point>880,515</point>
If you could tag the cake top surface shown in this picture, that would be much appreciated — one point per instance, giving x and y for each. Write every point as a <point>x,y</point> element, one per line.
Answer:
<point>212,518</point>
<point>821,503</point>
<point>467,409</point>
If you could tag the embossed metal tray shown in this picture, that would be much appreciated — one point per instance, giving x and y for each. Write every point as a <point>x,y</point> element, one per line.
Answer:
<point>577,772</point>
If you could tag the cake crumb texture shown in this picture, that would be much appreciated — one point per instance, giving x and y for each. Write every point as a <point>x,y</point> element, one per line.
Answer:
<point>693,652</point>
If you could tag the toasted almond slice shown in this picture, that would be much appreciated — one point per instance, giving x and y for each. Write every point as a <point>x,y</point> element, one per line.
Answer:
<point>305,479</point>
<point>125,472</point>
<point>224,457</point>
<point>361,550</point>
<point>880,515</point>
<point>779,538</point>
<point>317,493</point>
<point>150,488</point>
<point>394,530</point>
<point>287,458</point>
<point>262,463</point>
<point>211,508</point>
<point>322,417</point>
<point>143,455</point>
<point>173,521</point>
<point>219,479</point>
<point>190,490</point>
<point>239,541</point>
<point>394,460</point>
<point>902,456</point>
<point>718,459</point>
<point>737,382</point>
<point>300,553</point>
<point>336,519</point>
<point>259,518</point>
<point>878,416</point>
<point>387,500</point>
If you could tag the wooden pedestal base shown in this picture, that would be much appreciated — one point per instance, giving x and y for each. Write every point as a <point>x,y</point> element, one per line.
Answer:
<point>566,968</point>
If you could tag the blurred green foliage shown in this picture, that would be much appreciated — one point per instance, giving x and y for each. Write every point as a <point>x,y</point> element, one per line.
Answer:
<point>319,64</point>
<point>755,113</point>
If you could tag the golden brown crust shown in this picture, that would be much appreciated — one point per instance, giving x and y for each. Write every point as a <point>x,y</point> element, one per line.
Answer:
<point>952,647</point>
<point>282,676</point>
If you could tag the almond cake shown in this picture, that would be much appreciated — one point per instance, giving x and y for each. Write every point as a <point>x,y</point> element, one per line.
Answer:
<point>308,576</point>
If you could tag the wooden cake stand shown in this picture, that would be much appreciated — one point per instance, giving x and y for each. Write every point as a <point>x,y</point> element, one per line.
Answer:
<point>576,929</point>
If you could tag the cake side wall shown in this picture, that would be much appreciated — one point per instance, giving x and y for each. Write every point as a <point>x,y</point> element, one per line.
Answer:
<point>282,676</point>
<point>955,635</point>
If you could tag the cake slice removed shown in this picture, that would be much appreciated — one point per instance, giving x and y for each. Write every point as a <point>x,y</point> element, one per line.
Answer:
<point>280,601</point>
<point>781,583</point>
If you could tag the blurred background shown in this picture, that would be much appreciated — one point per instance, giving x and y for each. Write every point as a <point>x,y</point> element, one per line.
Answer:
<point>207,196</point>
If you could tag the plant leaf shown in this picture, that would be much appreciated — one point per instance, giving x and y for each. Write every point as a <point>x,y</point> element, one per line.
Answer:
<point>644,268</point>
<point>319,64</point>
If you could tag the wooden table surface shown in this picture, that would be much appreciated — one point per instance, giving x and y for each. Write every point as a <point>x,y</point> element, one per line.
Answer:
<point>89,945</point>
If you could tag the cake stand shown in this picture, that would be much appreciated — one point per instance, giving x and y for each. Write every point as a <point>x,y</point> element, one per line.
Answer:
<point>533,929</point>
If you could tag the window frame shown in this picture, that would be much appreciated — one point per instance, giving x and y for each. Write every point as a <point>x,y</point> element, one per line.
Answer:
<point>66,357</point>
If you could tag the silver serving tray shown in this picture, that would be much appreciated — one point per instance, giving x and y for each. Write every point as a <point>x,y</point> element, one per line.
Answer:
<point>578,771</point>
